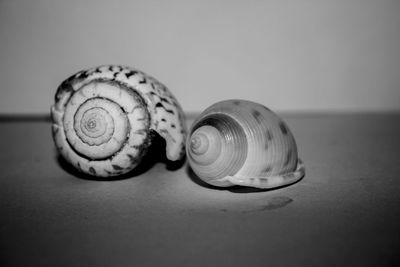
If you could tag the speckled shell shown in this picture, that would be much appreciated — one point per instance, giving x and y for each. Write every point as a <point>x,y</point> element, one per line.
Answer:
<point>238,142</point>
<point>105,118</point>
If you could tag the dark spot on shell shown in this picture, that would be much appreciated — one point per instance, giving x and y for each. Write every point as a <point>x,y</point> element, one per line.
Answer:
<point>97,70</point>
<point>83,75</point>
<point>70,78</point>
<point>92,170</point>
<point>267,169</point>
<point>160,105</point>
<point>64,88</point>
<point>165,99</point>
<point>117,167</point>
<point>257,115</point>
<point>130,73</point>
<point>164,120</point>
<point>236,102</point>
<point>173,125</point>
<point>133,159</point>
<point>143,81</point>
<point>110,68</point>
<point>269,135</point>
<point>283,128</point>
<point>288,157</point>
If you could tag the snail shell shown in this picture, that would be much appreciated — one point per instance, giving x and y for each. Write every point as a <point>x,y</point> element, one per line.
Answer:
<point>105,118</point>
<point>237,142</point>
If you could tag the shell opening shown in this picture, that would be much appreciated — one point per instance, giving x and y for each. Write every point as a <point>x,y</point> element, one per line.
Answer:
<point>217,147</point>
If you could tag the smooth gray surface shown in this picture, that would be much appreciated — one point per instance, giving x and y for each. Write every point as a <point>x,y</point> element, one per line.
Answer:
<point>345,211</point>
<point>293,55</point>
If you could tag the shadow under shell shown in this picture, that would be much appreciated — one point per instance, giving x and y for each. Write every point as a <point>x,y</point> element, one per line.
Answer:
<point>155,154</point>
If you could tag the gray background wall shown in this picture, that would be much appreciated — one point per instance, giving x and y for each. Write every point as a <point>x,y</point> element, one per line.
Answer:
<point>288,55</point>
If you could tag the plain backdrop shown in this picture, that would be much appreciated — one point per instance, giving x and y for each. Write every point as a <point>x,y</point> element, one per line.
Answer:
<point>288,55</point>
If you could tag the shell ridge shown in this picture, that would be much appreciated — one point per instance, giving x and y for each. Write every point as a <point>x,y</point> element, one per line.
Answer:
<point>269,181</point>
<point>129,88</point>
<point>220,158</point>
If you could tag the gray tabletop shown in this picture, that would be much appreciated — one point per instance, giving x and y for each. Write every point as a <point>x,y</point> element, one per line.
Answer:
<point>345,211</point>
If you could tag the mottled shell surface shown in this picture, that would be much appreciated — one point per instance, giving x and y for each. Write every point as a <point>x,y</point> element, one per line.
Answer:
<point>238,142</point>
<point>105,118</point>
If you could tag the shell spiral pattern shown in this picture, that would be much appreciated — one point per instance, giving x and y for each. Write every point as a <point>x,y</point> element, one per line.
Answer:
<point>238,142</point>
<point>104,119</point>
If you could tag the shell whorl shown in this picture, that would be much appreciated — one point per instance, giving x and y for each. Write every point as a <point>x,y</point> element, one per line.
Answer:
<point>104,119</point>
<point>254,147</point>
<point>213,144</point>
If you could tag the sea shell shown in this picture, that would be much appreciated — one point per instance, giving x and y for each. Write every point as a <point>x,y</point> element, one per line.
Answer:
<point>238,142</point>
<point>105,118</point>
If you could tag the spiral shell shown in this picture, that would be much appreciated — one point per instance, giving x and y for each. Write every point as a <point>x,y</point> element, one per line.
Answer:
<point>238,142</point>
<point>105,118</point>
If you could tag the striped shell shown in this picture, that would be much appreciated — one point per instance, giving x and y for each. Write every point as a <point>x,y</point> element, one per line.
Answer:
<point>105,118</point>
<point>237,142</point>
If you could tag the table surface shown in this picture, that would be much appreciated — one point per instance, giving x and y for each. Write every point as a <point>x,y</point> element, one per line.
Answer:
<point>345,211</point>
